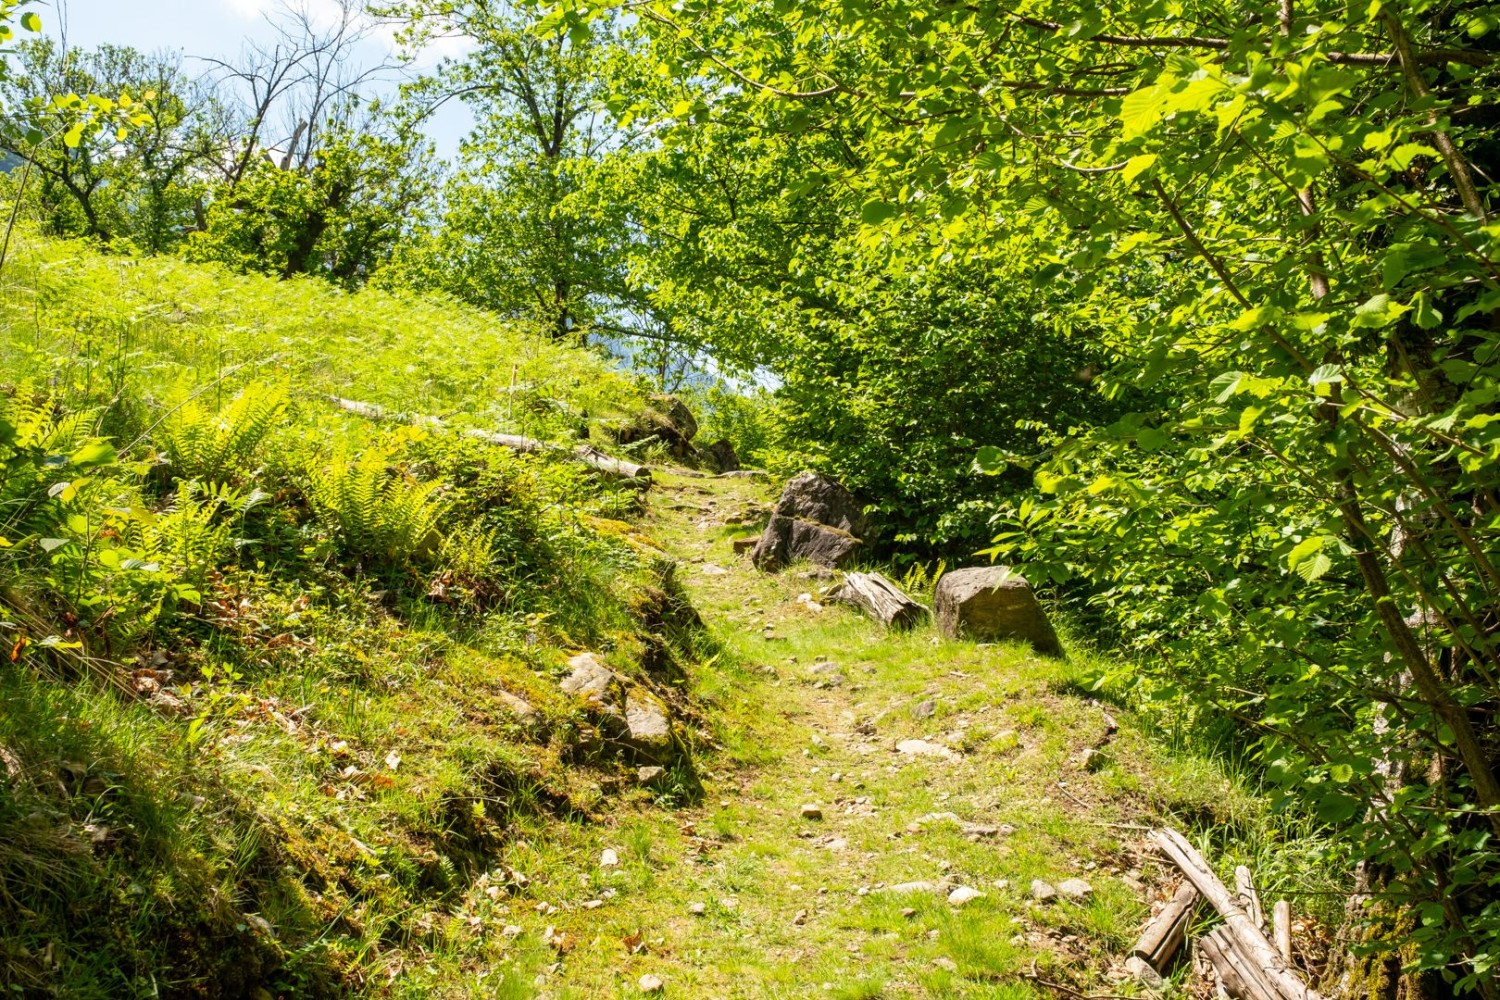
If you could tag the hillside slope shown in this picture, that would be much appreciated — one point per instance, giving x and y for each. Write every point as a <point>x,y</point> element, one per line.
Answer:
<point>279,681</point>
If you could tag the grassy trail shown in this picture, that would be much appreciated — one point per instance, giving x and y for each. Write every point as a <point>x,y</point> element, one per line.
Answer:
<point>738,894</point>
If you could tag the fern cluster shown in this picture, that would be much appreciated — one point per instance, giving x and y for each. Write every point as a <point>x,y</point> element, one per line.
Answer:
<point>217,445</point>
<point>377,511</point>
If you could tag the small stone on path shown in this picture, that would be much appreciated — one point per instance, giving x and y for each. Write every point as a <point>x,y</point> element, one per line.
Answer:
<point>697,909</point>
<point>925,709</point>
<point>964,894</point>
<point>810,811</point>
<point>609,858</point>
<point>650,984</point>
<point>1041,891</point>
<point>922,748</point>
<point>1075,888</point>
<point>943,962</point>
<point>1142,971</point>
<point>649,774</point>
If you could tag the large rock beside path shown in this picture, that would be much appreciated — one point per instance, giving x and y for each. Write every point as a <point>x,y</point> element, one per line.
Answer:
<point>812,497</point>
<point>648,723</point>
<point>676,415</point>
<point>816,519</point>
<point>992,603</point>
<point>590,679</point>
<point>788,539</point>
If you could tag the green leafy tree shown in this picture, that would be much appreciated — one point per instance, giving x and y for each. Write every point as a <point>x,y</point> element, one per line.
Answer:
<point>1276,221</point>
<point>141,184</point>
<point>518,233</point>
<point>338,214</point>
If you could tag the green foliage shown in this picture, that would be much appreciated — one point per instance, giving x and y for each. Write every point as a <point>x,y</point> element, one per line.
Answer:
<point>263,657</point>
<point>137,185</point>
<point>376,511</point>
<point>1276,242</point>
<point>339,217</point>
<point>521,231</point>
<point>219,446</point>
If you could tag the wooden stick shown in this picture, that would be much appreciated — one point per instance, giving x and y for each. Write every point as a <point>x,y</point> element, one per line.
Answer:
<point>1248,940</point>
<point>1244,883</point>
<point>1166,931</point>
<point>1236,976</point>
<point>881,599</point>
<point>587,454</point>
<point>1215,947</point>
<point>1281,923</point>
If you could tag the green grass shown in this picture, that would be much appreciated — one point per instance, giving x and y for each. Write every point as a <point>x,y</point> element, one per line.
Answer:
<point>316,782</point>
<point>270,742</point>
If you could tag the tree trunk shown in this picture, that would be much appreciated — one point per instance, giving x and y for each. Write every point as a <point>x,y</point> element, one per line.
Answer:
<point>881,599</point>
<point>638,475</point>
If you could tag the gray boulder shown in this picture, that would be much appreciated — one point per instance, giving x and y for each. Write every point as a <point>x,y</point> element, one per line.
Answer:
<point>720,457</point>
<point>816,498</point>
<point>787,539</point>
<point>592,681</point>
<point>677,415</point>
<point>989,603</point>
<point>648,724</point>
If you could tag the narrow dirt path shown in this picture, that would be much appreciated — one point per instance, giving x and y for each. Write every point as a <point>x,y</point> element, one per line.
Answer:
<point>863,778</point>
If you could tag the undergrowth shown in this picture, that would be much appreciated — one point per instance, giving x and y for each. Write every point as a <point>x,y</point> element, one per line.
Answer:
<point>279,682</point>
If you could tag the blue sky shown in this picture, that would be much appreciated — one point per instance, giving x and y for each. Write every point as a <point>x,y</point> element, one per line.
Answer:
<point>217,28</point>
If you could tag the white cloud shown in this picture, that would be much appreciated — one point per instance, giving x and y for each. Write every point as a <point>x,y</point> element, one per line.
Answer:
<point>327,14</point>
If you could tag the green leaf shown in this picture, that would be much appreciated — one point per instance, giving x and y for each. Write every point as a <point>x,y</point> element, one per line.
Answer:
<point>1377,312</point>
<point>875,213</point>
<point>1048,273</point>
<point>1137,165</point>
<point>990,460</point>
<point>1227,385</point>
<point>1324,374</point>
<point>96,452</point>
<point>31,22</point>
<point>1141,110</point>
<point>1151,439</point>
<point>1308,559</point>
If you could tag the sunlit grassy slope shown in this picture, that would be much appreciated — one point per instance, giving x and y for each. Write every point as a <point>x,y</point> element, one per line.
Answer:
<point>152,331</point>
<point>277,682</point>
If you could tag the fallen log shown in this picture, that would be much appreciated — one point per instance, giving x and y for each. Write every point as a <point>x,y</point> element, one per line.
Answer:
<point>1166,931</point>
<point>881,599</point>
<point>1247,943</point>
<point>587,454</point>
<point>1244,885</point>
<point>1281,924</point>
<point>1237,977</point>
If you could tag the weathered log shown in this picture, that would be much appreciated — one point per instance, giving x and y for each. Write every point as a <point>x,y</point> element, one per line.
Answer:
<point>1248,942</point>
<point>1237,976</point>
<point>1244,885</point>
<point>1164,934</point>
<point>587,454</point>
<point>881,599</point>
<point>374,411</point>
<point>1281,926</point>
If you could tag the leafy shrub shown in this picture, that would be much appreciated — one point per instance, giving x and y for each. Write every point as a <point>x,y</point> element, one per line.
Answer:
<point>378,512</point>
<point>215,445</point>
